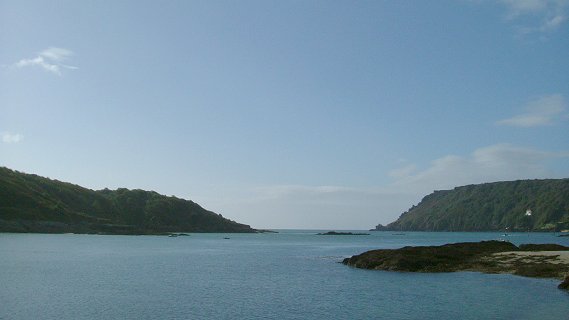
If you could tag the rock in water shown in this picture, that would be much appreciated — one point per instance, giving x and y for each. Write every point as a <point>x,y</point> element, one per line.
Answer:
<point>485,256</point>
<point>565,284</point>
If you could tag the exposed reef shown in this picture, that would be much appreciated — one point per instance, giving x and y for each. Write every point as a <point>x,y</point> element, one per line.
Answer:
<point>532,260</point>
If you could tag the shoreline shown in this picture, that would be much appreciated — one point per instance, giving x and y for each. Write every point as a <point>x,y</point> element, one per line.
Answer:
<point>560,257</point>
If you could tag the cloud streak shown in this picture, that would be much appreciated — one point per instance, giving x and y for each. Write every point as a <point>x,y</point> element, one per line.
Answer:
<point>291,206</point>
<point>541,112</point>
<point>537,15</point>
<point>51,59</point>
<point>500,162</point>
<point>8,137</point>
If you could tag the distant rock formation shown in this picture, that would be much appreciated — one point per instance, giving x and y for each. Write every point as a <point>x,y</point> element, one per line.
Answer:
<point>334,233</point>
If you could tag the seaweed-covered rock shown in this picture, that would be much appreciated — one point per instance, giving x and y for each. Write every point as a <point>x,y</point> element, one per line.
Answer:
<point>485,256</point>
<point>543,247</point>
<point>446,258</point>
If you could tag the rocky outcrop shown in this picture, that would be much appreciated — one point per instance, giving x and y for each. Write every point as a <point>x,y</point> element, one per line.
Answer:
<point>485,256</point>
<point>446,258</point>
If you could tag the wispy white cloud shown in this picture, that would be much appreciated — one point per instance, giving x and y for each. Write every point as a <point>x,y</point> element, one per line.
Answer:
<point>540,112</point>
<point>498,162</point>
<point>56,54</point>
<point>8,137</point>
<point>403,171</point>
<point>329,207</point>
<point>291,206</point>
<point>537,15</point>
<point>51,59</point>
<point>520,7</point>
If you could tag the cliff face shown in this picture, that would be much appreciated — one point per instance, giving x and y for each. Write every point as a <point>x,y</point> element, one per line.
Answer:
<point>491,207</point>
<point>29,203</point>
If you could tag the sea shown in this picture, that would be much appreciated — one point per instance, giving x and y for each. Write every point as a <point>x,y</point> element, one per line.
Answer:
<point>292,274</point>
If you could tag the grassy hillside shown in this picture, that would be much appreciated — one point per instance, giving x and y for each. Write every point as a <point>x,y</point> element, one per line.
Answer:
<point>491,206</point>
<point>30,203</point>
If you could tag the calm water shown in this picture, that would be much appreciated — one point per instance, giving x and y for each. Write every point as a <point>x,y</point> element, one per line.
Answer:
<point>289,275</point>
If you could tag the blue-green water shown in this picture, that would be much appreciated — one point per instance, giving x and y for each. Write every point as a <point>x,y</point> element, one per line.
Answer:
<point>289,275</point>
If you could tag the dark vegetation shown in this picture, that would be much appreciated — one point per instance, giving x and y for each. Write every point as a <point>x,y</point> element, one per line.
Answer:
<point>491,207</point>
<point>446,258</point>
<point>467,256</point>
<point>543,247</point>
<point>30,203</point>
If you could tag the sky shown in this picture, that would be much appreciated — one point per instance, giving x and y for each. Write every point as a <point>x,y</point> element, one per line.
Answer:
<point>286,114</point>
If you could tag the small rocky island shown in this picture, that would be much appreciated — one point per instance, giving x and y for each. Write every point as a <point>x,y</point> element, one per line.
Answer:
<point>531,260</point>
<point>335,233</point>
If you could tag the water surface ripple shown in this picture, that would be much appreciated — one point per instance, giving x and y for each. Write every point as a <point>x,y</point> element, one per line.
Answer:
<point>288,275</point>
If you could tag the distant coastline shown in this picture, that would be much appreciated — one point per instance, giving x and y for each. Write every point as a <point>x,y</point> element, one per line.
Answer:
<point>507,206</point>
<point>34,204</point>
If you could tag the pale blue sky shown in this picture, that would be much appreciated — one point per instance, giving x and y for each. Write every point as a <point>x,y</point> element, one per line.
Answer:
<point>286,114</point>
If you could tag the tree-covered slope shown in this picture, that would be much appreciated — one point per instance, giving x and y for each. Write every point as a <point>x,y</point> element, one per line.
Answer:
<point>30,203</point>
<point>491,206</point>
